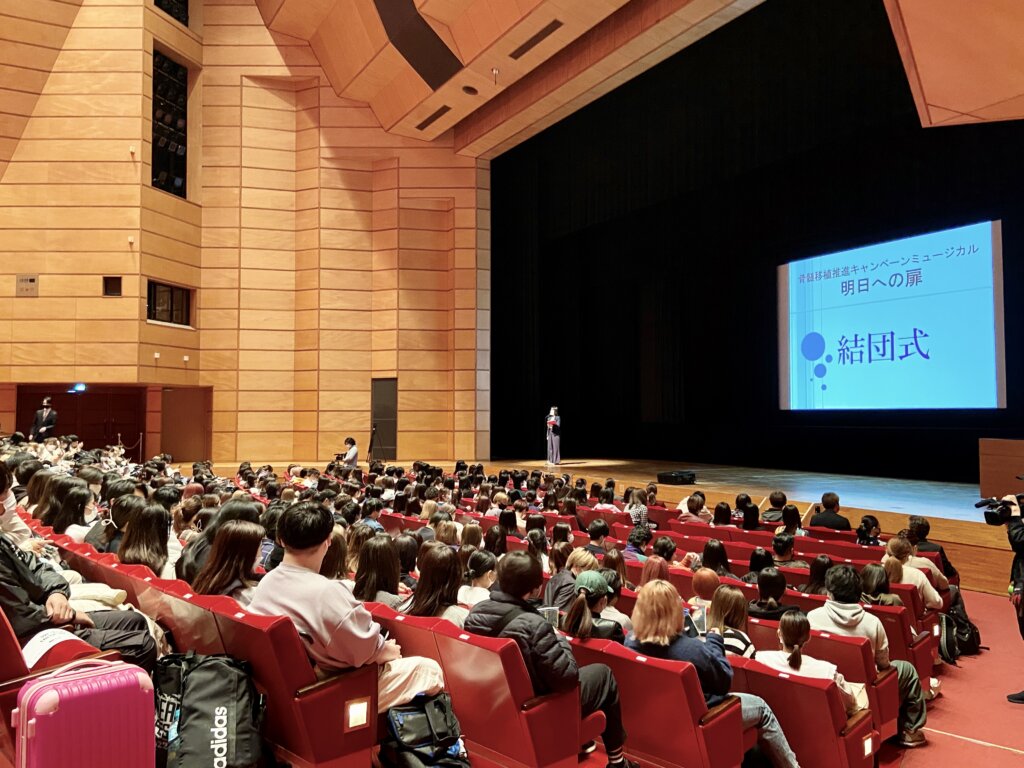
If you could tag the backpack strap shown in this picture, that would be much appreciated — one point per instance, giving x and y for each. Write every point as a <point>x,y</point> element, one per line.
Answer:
<point>506,620</point>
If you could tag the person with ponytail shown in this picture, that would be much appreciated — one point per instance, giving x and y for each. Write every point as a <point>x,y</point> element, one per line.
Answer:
<point>868,531</point>
<point>583,620</point>
<point>478,578</point>
<point>794,632</point>
<point>771,587</point>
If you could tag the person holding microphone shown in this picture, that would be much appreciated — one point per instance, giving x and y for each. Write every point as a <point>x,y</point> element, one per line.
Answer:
<point>554,423</point>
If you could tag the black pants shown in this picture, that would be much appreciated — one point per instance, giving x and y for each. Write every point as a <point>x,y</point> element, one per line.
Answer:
<point>122,631</point>
<point>598,691</point>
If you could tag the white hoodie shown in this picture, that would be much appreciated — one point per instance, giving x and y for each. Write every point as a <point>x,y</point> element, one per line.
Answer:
<point>852,620</point>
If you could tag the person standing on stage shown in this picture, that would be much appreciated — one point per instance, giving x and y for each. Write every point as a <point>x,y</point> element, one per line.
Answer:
<point>554,422</point>
<point>351,453</point>
<point>43,423</point>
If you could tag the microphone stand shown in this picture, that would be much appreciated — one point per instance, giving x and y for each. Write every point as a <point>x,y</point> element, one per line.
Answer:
<point>369,449</point>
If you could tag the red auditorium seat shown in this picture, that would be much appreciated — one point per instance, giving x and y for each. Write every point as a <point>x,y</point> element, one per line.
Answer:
<point>515,544</point>
<point>307,720</point>
<point>664,712</point>
<point>626,601</point>
<point>812,716</point>
<point>414,634</point>
<point>855,661</point>
<point>502,721</point>
<point>701,530</point>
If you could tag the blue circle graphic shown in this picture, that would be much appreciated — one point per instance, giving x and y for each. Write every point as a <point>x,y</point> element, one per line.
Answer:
<point>828,358</point>
<point>820,371</point>
<point>824,387</point>
<point>813,345</point>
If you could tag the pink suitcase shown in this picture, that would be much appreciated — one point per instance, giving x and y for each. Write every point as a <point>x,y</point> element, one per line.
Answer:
<point>89,714</point>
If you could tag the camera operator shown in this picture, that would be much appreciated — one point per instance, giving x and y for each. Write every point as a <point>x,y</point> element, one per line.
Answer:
<point>1015,533</point>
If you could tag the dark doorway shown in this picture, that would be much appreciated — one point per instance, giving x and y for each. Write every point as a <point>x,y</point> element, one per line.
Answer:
<point>186,423</point>
<point>99,416</point>
<point>384,410</point>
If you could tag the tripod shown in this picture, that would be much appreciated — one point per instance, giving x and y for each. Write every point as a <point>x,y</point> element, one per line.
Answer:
<point>369,448</point>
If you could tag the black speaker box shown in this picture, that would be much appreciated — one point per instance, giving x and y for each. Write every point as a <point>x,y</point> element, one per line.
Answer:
<point>677,477</point>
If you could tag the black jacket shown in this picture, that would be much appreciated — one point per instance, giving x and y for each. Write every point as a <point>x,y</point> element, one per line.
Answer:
<point>606,629</point>
<point>1015,533</point>
<point>549,660</point>
<point>947,567</point>
<point>25,585</point>
<point>827,519</point>
<point>39,422</point>
<point>560,590</point>
<point>193,558</point>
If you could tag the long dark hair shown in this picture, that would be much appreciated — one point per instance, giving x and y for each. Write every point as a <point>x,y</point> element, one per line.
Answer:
<point>122,510</point>
<point>495,540</point>
<point>819,569</point>
<point>145,539</point>
<point>72,509</point>
<point>796,631</point>
<point>716,558</point>
<point>440,579</point>
<point>379,569</point>
<point>234,551</point>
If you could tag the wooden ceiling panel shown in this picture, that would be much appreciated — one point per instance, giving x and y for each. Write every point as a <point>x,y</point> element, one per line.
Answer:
<point>432,65</point>
<point>964,58</point>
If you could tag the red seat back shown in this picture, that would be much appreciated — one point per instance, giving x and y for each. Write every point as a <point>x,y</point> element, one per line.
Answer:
<point>812,716</point>
<point>494,700</point>
<point>662,709</point>
<point>414,634</point>
<point>310,726</point>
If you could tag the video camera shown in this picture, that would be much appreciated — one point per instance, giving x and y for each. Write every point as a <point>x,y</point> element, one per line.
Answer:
<point>997,511</point>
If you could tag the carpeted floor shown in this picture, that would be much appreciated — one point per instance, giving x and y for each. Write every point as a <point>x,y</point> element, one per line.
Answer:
<point>972,724</point>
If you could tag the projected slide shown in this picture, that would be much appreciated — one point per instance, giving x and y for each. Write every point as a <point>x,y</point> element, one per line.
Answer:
<point>912,323</point>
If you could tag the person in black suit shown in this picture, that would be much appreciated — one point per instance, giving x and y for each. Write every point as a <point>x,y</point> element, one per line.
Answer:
<point>829,517</point>
<point>43,423</point>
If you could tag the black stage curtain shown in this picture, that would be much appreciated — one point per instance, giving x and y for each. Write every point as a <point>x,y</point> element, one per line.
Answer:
<point>635,246</point>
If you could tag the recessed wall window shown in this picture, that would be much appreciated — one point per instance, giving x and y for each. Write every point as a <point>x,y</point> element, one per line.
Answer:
<point>176,9</point>
<point>170,124</point>
<point>111,286</point>
<point>168,303</point>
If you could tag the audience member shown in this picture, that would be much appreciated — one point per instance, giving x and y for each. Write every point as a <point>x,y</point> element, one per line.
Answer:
<point>794,632</point>
<point>760,558</point>
<point>583,618</point>
<point>827,514</point>
<point>875,583</point>
<point>727,614</point>
<point>437,594</point>
<point>783,545</point>
<point>339,632</point>
<point>549,660</point>
<point>229,568</point>
<point>819,569</point>
<point>868,531</point>
<point>898,548</point>
<point>598,531</point>
<point>561,588</point>
<point>842,614</point>
<point>658,632</point>
<point>636,543</point>
<point>615,586</point>
<point>771,588</point>
<point>378,573</point>
<point>654,568</point>
<point>705,582</point>
<point>921,528</point>
<point>477,580</point>
<point>791,522</point>
<point>777,501</point>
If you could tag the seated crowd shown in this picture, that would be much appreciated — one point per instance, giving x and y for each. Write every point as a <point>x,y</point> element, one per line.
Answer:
<point>311,546</point>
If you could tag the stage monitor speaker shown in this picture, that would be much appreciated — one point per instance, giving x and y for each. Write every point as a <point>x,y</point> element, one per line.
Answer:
<point>677,477</point>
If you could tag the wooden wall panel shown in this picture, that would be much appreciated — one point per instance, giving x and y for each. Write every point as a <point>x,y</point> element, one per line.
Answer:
<point>323,250</point>
<point>70,206</point>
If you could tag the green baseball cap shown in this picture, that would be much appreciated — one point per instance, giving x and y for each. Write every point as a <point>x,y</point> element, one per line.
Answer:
<point>593,582</point>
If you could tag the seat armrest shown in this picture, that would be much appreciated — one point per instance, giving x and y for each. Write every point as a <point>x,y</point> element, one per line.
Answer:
<point>854,722</point>
<point>15,683</point>
<point>537,701</point>
<point>924,637</point>
<point>884,675</point>
<point>338,679</point>
<point>720,710</point>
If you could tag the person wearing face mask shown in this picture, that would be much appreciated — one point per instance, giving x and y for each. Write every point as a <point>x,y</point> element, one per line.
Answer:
<point>480,575</point>
<point>229,568</point>
<point>44,422</point>
<point>11,523</point>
